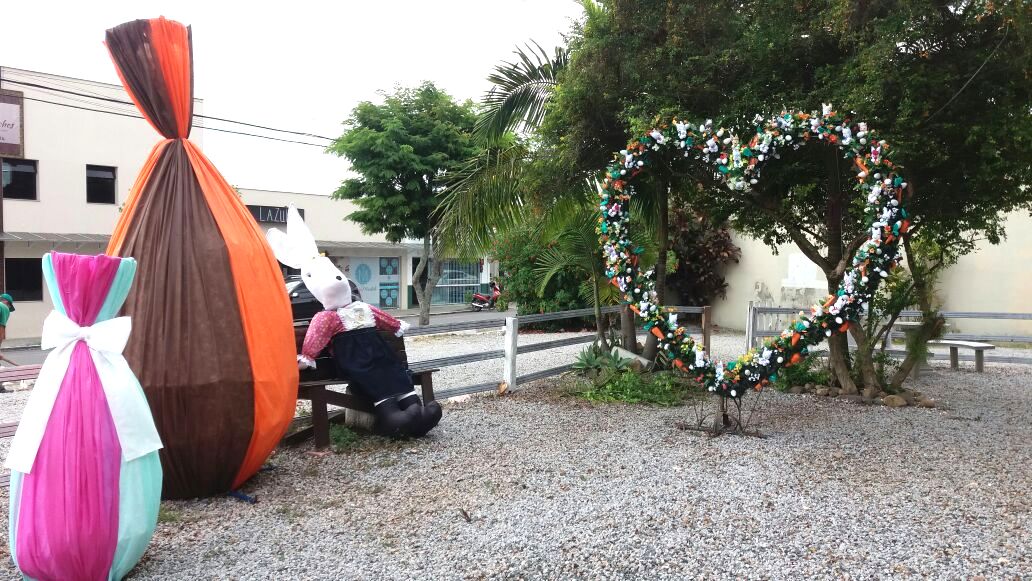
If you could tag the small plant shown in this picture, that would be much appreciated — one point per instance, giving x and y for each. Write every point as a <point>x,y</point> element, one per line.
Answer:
<point>662,389</point>
<point>343,438</point>
<point>502,304</point>
<point>810,370</point>
<point>595,359</point>
<point>469,297</point>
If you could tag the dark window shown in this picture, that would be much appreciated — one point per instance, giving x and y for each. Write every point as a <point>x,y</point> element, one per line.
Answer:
<point>19,179</point>
<point>100,184</point>
<point>24,278</point>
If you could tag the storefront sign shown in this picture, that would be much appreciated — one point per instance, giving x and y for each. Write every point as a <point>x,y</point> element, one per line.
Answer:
<point>12,124</point>
<point>271,214</point>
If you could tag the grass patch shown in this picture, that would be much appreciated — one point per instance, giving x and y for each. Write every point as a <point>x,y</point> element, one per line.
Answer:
<point>663,388</point>
<point>168,515</point>
<point>343,438</point>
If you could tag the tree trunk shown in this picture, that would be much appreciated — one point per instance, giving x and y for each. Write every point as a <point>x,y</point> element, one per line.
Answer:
<point>864,359</point>
<point>425,291</point>
<point>421,298</point>
<point>933,322</point>
<point>628,329</point>
<point>600,320</point>
<point>838,343</point>
<point>663,245</point>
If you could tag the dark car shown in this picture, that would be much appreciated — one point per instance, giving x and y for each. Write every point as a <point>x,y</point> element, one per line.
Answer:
<point>302,304</point>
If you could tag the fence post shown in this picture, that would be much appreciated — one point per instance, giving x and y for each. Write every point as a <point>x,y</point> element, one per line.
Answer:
<point>512,331</point>
<point>750,323</point>
<point>707,327</point>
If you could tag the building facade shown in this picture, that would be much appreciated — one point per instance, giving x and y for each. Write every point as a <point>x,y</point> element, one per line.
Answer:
<point>69,158</point>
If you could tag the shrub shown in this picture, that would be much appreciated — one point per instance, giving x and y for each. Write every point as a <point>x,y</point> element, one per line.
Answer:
<point>517,252</point>
<point>811,369</point>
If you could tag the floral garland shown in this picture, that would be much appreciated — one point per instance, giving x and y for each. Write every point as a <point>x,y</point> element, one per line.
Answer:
<point>738,164</point>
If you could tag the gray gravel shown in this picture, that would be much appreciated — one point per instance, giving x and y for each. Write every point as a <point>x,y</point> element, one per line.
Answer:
<point>540,485</point>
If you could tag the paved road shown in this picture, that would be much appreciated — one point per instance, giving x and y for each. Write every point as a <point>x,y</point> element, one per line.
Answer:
<point>35,356</point>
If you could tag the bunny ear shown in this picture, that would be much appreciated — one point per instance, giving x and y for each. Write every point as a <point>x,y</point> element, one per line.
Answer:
<point>295,247</point>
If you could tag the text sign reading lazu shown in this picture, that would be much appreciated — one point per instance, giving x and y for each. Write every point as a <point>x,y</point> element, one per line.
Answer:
<point>271,214</point>
<point>10,123</point>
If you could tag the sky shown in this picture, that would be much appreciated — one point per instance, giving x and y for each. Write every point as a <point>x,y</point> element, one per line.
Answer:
<point>298,65</point>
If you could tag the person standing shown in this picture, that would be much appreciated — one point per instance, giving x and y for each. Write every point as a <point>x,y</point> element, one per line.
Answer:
<point>6,308</point>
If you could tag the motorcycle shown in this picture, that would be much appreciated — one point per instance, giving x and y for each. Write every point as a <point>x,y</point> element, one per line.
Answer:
<point>481,302</point>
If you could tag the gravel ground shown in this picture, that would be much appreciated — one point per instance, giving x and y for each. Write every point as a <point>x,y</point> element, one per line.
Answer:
<point>540,485</point>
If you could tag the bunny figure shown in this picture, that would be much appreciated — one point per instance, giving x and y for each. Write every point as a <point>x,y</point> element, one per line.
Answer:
<point>349,328</point>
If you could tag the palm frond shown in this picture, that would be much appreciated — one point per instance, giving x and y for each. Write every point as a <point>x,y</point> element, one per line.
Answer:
<point>553,261</point>
<point>521,90</point>
<point>483,197</point>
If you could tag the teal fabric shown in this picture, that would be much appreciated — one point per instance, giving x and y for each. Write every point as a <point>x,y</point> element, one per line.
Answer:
<point>51,279</point>
<point>139,497</point>
<point>119,290</point>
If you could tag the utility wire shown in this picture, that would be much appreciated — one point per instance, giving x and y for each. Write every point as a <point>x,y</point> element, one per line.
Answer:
<point>195,126</point>
<point>131,104</point>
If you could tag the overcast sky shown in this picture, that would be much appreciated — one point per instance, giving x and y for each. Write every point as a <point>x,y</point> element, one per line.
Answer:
<point>298,65</point>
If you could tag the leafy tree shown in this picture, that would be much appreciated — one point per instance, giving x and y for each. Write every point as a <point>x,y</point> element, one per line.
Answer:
<point>946,83</point>
<point>402,151</point>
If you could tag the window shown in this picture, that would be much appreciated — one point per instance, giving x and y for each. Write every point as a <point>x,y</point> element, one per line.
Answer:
<point>100,184</point>
<point>24,278</point>
<point>18,179</point>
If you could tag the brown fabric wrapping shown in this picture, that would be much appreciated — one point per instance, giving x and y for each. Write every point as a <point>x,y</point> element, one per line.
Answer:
<point>136,61</point>
<point>188,349</point>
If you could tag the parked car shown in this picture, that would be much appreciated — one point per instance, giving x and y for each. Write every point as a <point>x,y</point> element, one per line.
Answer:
<point>302,304</point>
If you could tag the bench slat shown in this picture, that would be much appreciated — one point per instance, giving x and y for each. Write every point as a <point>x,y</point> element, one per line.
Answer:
<point>8,430</point>
<point>967,344</point>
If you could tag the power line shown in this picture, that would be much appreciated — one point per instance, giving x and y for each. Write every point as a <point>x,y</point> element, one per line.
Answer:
<point>130,103</point>
<point>195,126</point>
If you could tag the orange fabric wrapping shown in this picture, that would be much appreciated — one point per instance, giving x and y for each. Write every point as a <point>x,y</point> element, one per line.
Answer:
<point>171,42</point>
<point>118,236</point>
<point>265,310</point>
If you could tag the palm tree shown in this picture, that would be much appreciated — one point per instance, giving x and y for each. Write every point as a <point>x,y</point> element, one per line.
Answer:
<point>572,224</point>
<point>485,194</point>
<point>521,90</point>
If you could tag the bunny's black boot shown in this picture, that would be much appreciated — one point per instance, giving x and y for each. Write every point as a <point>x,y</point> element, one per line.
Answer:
<point>394,422</point>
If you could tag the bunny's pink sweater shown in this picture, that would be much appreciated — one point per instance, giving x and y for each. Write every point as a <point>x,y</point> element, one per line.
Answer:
<point>357,315</point>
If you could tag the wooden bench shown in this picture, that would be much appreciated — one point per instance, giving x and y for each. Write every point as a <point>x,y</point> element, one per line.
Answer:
<point>314,387</point>
<point>978,348</point>
<point>7,374</point>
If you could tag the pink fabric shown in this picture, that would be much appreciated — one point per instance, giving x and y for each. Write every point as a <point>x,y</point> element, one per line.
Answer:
<point>385,322</point>
<point>68,516</point>
<point>322,328</point>
<point>325,324</point>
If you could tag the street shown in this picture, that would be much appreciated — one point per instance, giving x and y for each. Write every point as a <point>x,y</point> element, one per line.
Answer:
<point>34,356</point>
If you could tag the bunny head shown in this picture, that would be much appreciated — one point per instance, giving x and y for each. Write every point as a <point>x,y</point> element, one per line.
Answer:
<point>296,248</point>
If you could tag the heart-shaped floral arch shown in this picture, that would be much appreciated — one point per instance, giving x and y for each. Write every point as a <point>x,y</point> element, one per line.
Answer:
<point>738,164</point>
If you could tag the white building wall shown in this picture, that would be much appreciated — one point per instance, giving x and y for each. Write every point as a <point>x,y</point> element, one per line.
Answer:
<point>992,279</point>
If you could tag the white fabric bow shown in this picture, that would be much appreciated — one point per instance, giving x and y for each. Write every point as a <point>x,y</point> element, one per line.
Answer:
<point>130,413</point>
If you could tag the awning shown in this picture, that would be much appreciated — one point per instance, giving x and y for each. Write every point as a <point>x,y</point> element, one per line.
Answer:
<point>332,245</point>
<point>51,238</point>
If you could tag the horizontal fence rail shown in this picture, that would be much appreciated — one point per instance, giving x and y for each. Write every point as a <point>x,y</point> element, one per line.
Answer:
<point>511,348</point>
<point>754,334</point>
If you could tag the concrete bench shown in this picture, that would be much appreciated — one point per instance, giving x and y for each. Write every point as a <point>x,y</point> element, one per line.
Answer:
<point>955,346</point>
